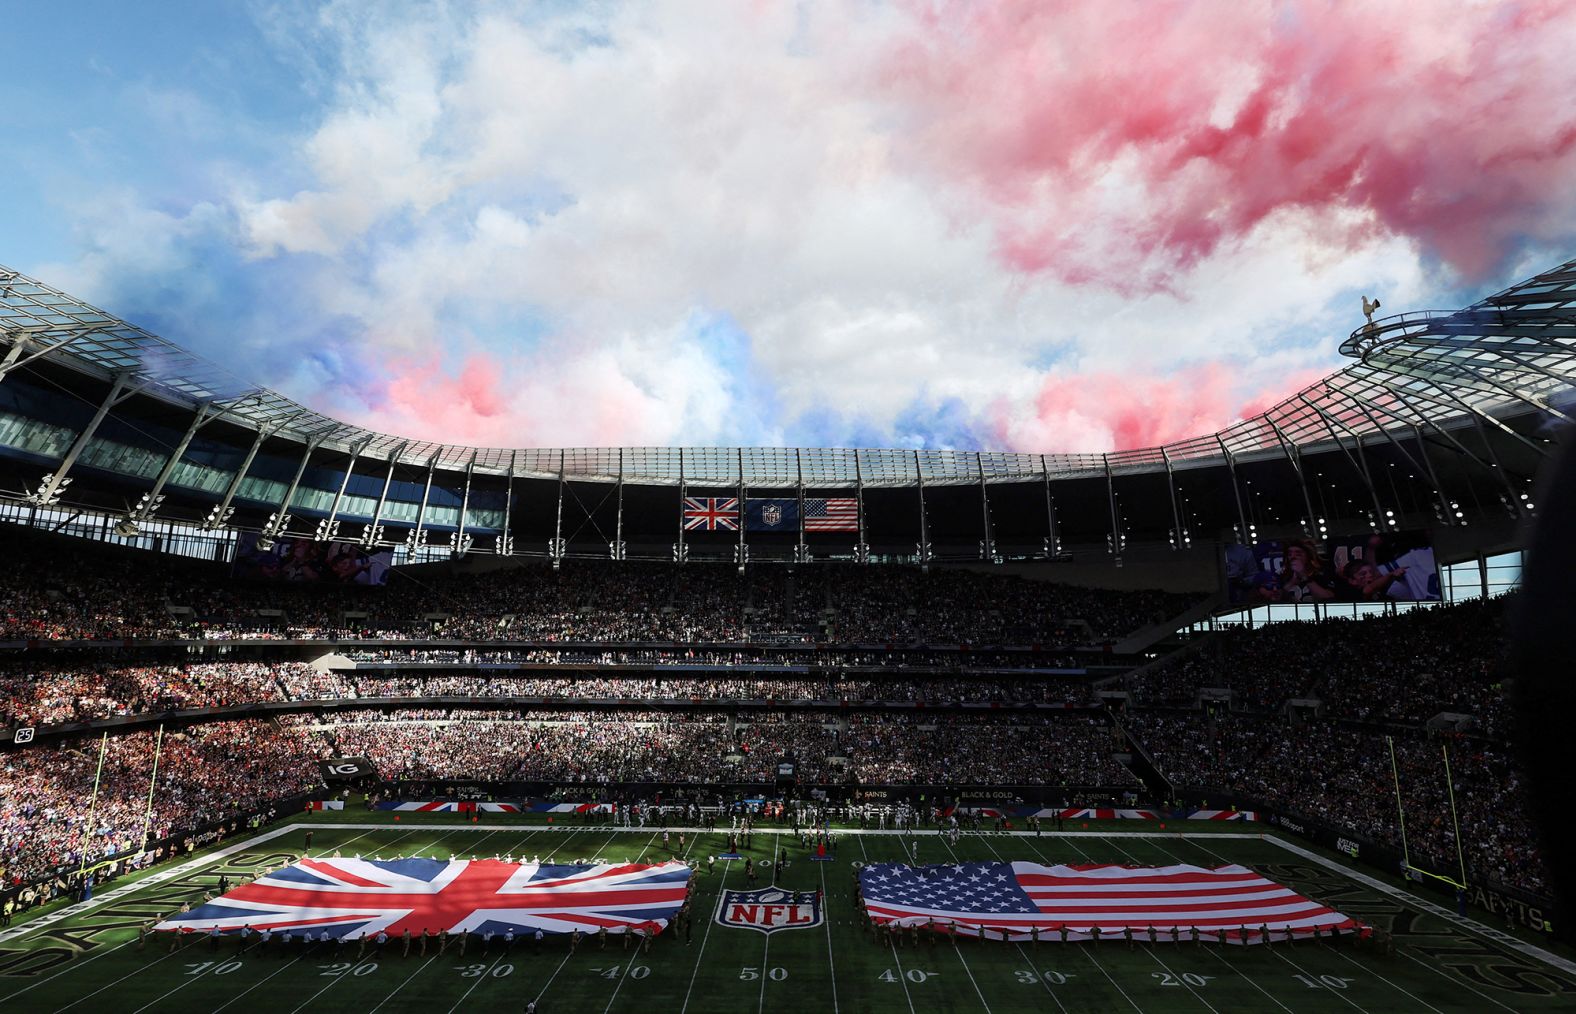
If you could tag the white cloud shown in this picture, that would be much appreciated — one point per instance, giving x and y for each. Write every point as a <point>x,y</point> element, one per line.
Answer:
<point>721,159</point>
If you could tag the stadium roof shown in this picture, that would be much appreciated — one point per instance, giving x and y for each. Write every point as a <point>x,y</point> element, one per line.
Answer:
<point>1505,355</point>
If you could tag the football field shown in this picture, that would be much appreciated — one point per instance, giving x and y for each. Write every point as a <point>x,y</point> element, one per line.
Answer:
<point>87,958</point>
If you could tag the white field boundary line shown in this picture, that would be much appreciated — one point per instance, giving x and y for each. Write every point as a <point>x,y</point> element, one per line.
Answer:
<point>1373,883</point>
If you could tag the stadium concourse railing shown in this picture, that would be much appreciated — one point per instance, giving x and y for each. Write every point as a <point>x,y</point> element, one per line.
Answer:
<point>1518,908</point>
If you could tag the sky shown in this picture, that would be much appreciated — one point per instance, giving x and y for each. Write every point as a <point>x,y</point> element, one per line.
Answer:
<point>1007,226</point>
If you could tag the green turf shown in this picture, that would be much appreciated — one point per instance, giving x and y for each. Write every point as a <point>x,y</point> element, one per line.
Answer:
<point>90,962</point>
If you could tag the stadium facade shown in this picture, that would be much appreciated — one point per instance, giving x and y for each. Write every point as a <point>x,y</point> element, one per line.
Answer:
<point>1442,421</point>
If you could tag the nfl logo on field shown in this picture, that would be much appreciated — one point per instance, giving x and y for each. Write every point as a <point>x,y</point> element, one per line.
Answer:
<point>769,909</point>
<point>772,515</point>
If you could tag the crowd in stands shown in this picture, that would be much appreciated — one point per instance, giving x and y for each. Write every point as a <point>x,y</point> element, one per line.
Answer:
<point>1371,678</point>
<point>594,747</point>
<point>1340,774</point>
<point>1405,668</point>
<point>67,588</point>
<point>205,773</point>
<point>34,696</point>
<point>719,658</point>
<point>350,685</point>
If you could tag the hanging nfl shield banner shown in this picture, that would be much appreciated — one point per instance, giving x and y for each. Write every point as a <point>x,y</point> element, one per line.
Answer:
<point>779,514</point>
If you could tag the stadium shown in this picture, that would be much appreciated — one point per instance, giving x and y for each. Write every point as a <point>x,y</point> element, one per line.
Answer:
<point>302,714</point>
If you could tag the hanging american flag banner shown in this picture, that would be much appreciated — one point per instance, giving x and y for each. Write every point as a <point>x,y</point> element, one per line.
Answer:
<point>1008,901</point>
<point>355,897</point>
<point>711,513</point>
<point>835,514</point>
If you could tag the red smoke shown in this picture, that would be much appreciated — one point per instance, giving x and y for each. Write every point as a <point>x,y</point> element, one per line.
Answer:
<point>1120,411</point>
<point>1115,139</point>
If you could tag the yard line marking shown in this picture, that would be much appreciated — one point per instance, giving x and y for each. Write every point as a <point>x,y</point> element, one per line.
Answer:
<point>1246,977</point>
<point>766,966</point>
<point>1153,953</point>
<point>479,979</point>
<point>402,985</point>
<point>254,985</point>
<point>721,887</point>
<point>1088,951</point>
<point>1304,971</point>
<point>826,923</point>
<point>1035,971</point>
<point>1456,980</point>
<point>176,989</point>
<point>900,976</point>
<point>550,979</point>
<point>966,969</point>
<point>123,978</point>
<point>331,984</point>
<point>70,967</point>
<point>1250,981</point>
<point>1085,952</point>
<point>631,962</point>
<point>1375,973</point>
<point>620,984</point>
<point>970,974</point>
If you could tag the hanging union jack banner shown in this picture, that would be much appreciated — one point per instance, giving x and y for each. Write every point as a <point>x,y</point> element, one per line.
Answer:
<point>356,897</point>
<point>1010,901</point>
<point>711,513</point>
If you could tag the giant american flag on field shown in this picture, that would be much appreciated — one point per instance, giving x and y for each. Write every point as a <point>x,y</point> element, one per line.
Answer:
<point>355,897</point>
<point>1008,900</point>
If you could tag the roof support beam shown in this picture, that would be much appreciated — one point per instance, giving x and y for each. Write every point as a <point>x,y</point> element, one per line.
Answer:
<point>220,515</point>
<point>680,550</point>
<point>555,549</point>
<point>1359,461</point>
<point>861,548</point>
<point>150,501</point>
<point>372,534</point>
<point>801,552</point>
<point>1117,540</point>
<point>21,338</point>
<point>329,526</point>
<point>503,545</point>
<point>617,550</point>
<point>48,491</point>
<point>279,522</point>
<point>418,535</point>
<point>1311,522</point>
<point>1053,539</point>
<point>741,554</point>
<point>462,542</point>
<point>1245,533</point>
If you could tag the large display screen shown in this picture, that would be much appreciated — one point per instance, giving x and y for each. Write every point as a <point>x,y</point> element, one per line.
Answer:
<point>314,562</point>
<point>1393,567</point>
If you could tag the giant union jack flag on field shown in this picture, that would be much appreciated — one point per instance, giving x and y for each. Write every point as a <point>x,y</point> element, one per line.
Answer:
<point>1008,900</point>
<point>352,897</point>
